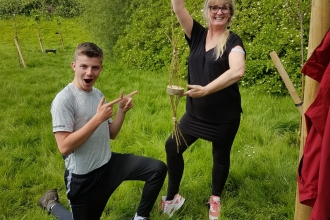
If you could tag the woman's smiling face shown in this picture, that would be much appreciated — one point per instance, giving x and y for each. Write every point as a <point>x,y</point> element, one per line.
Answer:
<point>219,12</point>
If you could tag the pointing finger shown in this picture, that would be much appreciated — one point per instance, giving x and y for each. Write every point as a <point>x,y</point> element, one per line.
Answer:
<point>114,102</point>
<point>132,93</point>
<point>101,102</point>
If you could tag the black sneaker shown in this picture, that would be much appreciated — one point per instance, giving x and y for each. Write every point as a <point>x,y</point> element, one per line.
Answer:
<point>48,200</point>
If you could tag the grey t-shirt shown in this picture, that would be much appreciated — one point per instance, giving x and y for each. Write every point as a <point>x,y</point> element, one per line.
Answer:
<point>72,109</point>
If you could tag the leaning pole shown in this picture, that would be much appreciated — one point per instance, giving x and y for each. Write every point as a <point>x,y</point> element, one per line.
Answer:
<point>319,25</point>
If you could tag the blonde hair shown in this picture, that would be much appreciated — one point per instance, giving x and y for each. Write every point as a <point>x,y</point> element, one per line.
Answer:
<point>221,45</point>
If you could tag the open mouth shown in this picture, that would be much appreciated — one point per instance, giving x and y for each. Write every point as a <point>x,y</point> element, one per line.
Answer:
<point>88,80</point>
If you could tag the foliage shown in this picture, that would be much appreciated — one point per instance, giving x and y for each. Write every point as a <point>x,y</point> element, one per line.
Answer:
<point>136,36</point>
<point>146,38</point>
<point>105,21</point>
<point>64,8</point>
<point>266,26</point>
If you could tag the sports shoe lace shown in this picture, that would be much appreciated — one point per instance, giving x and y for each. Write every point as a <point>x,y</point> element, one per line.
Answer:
<point>215,206</point>
<point>161,205</point>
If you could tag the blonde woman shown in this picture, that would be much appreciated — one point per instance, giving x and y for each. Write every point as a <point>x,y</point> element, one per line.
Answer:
<point>213,107</point>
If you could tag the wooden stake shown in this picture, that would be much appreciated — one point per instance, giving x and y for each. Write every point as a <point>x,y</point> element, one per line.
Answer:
<point>319,25</point>
<point>19,51</point>
<point>61,38</point>
<point>294,95</point>
<point>37,19</point>
<point>59,32</point>
<point>40,43</point>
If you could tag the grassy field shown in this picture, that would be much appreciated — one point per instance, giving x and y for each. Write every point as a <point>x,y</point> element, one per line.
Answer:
<point>261,183</point>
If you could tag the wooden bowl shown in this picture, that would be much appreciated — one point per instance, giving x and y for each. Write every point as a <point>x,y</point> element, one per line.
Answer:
<point>175,90</point>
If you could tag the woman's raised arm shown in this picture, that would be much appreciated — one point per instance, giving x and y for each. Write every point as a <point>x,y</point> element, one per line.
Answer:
<point>183,16</point>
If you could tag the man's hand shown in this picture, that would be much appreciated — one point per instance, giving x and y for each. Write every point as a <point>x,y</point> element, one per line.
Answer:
<point>104,111</point>
<point>127,101</point>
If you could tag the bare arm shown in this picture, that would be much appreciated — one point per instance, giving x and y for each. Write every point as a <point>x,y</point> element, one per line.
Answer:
<point>67,142</point>
<point>124,105</point>
<point>232,75</point>
<point>183,16</point>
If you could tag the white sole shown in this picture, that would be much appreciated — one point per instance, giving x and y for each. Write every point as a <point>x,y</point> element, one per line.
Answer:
<point>178,206</point>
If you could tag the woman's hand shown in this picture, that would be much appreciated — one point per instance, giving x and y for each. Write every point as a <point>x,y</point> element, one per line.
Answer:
<point>196,91</point>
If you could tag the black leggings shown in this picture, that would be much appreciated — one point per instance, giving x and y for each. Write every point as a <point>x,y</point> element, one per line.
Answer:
<point>221,159</point>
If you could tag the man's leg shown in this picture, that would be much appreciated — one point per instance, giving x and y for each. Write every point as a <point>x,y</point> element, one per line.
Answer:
<point>60,212</point>
<point>152,171</point>
<point>154,176</point>
<point>50,202</point>
<point>88,193</point>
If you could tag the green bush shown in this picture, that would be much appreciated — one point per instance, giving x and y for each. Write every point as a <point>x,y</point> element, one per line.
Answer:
<point>106,20</point>
<point>267,26</point>
<point>138,36</point>
<point>144,43</point>
<point>63,8</point>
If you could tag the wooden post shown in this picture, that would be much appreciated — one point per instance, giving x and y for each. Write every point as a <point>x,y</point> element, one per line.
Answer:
<point>61,38</point>
<point>19,51</point>
<point>40,43</point>
<point>286,79</point>
<point>319,25</point>
<point>37,19</point>
<point>59,32</point>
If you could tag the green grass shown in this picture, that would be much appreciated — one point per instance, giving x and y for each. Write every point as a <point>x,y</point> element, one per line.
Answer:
<point>261,183</point>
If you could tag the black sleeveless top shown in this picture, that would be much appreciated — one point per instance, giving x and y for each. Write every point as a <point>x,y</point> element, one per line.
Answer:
<point>223,105</point>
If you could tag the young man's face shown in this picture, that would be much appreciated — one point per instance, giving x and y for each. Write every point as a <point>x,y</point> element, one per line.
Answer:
<point>87,70</point>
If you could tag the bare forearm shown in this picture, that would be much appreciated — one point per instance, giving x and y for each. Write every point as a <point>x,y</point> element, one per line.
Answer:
<point>69,142</point>
<point>177,5</point>
<point>116,124</point>
<point>226,79</point>
<point>183,16</point>
<point>232,75</point>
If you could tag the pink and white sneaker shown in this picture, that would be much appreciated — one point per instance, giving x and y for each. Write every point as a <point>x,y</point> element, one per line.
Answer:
<point>215,207</point>
<point>169,207</point>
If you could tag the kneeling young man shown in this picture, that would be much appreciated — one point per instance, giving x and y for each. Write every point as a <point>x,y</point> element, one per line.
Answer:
<point>83,126</point>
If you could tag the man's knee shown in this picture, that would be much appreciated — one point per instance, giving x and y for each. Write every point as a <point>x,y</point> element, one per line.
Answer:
<point>161,167</point>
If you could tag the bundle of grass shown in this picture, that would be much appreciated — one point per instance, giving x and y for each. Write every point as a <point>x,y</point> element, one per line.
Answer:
<point>174,88</point>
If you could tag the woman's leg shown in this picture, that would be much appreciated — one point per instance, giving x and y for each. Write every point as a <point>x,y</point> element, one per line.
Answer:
<point>221,156</point>
<point>175,162</point>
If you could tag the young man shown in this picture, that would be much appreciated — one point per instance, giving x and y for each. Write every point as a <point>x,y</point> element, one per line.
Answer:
<point>83,127</point>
